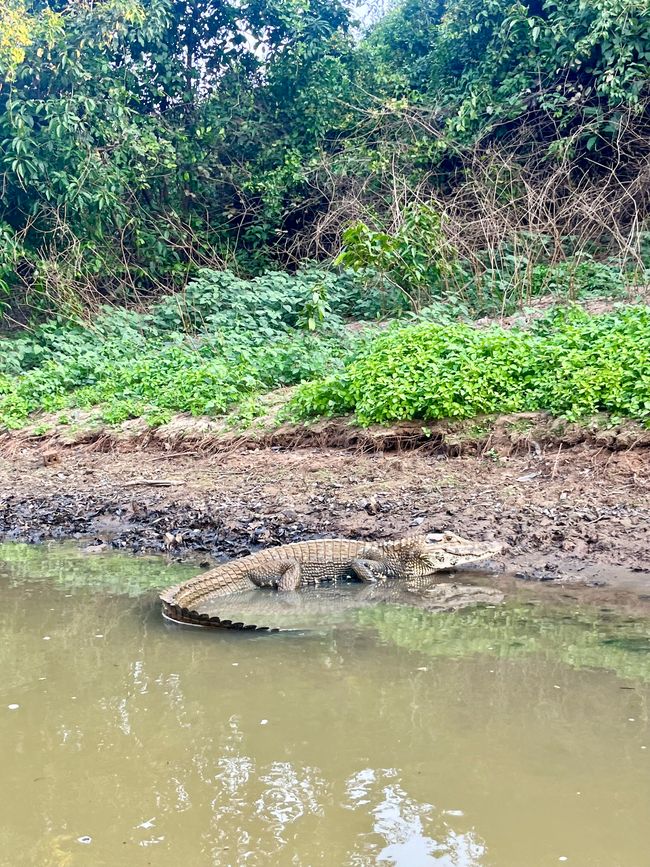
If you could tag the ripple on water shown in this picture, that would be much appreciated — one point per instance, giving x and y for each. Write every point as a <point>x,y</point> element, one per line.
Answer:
<point>395,736</point>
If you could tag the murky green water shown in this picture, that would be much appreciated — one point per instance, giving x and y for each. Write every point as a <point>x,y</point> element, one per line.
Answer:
<point>513,737</point>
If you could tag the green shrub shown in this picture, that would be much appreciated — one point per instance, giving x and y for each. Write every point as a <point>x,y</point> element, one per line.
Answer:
<point>416,259</point>
<point>273,302</point>
<point>581,278</point>
<point>517,281</point>
<point>226,340</point>
<point>569,363</point>
<point>325,397</point>
<point>221,341</point>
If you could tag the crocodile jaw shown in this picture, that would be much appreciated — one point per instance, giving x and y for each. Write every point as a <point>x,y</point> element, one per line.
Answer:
<point>419,556</point>
<point>447,550</point>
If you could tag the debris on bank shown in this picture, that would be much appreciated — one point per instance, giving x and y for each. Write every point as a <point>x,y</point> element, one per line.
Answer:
<point>520,433</point>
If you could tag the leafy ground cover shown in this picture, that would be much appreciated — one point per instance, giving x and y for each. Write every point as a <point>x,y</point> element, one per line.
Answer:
<point>221,341</point>
<point>226,341</point>
<point>570,363</point>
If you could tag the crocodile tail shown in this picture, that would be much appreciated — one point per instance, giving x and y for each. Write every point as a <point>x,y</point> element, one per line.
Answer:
<point>196,618</point>
<point>182,603</point>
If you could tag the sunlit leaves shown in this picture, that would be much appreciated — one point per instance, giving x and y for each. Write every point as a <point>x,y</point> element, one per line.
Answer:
<point>15,34</point>
<point>570,364</point>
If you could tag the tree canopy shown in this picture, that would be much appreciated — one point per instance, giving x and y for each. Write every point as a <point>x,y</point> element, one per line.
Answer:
<point>142,138</point>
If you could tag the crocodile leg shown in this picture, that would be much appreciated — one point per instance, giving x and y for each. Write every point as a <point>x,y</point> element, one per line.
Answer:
<point>289,576</point>
<point>365,569</point>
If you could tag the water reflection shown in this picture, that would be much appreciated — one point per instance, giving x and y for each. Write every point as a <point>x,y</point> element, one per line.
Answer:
<point>405,832</point>
<point>137,742</point>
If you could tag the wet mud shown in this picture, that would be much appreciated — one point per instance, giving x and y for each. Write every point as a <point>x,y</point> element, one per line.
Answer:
<point>578,514</point>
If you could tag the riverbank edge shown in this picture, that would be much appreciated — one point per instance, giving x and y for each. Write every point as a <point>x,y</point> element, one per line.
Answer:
<point>577,512</point>
<point>516,433</point>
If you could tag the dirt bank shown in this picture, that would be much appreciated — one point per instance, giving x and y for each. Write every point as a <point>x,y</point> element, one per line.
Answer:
<point>580,512</point>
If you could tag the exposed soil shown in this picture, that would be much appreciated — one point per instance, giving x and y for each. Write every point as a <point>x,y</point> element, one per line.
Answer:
<point>519,433</point>
<point>564,512</point>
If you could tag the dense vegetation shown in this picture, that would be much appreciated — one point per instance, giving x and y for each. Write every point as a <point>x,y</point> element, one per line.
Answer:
<point>183,183</point>
<point>569,363</point>
<point>226,340</point>
<point>223,340</point>
<point>141,138</point>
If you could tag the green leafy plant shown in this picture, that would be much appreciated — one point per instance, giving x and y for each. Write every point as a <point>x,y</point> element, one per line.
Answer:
<point>416,257</point>
<point>569,363</point>
<point>579,278</point>
<point>221,342</point>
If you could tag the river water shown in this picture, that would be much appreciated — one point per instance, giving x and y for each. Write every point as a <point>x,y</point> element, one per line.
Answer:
<point>513,736</point>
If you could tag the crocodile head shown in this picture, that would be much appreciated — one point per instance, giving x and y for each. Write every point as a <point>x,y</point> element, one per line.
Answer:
<point>417,556</point>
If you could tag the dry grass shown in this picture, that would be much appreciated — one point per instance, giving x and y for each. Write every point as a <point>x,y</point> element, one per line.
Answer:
<point>515,197</point>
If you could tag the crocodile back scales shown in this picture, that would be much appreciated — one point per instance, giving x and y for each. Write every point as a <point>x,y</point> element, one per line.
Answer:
<point>321,560</point>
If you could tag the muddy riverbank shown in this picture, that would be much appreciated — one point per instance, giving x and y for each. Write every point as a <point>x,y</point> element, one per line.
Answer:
<point>579,513</point>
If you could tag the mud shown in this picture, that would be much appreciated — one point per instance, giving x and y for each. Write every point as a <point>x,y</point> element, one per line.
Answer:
<point>569,514</point>
<point>514,434</point>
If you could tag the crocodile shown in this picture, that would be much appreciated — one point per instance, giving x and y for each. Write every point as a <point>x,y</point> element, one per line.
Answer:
<point>312,563</point>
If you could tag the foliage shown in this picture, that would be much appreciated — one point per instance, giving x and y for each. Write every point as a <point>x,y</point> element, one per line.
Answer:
<point>224,340</point>
<point>569,363</point>
<point>490,62</point>
<point>268,303</point>
<point>514,120</point>
<point>578,279</point>
<point>220,341</point>
<point>19,28</point>
<point>415,257</point>
<point>15,34</point>
<point>140,139</point>
<point>519,282</point>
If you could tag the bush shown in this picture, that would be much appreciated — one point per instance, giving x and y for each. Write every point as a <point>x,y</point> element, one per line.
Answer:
<point>515,281</point>
<point>575,279</point>
<point>225,340</point>
<point>217,343</point>
<point>415,259</point>
<point>569,363</point>
<point>275,301</point>
<point>325,397</point>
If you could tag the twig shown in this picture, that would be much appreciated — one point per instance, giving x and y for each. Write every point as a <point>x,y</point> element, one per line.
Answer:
<point>175,455</point>
<point>161,483</point>
<point>557,458</point>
